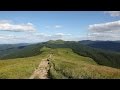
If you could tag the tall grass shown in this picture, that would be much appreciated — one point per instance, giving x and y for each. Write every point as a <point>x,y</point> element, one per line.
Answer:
<point>20,68</point>
<point>66,64</point>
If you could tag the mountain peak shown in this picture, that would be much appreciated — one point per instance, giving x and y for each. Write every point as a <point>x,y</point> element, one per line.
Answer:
<point>59,41</point>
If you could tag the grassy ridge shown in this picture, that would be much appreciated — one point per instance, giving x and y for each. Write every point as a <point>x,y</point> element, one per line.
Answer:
<point>66,64</point>
<point>28,51</point>
<point>101,57</point>
<point>20,68</point>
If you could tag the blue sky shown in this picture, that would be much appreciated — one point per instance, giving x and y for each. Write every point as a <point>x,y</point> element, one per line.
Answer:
<point>39,26</point>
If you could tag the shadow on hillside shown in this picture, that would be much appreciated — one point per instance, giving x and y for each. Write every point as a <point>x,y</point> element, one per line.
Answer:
<point>22,52</point>
<point>18,57</point>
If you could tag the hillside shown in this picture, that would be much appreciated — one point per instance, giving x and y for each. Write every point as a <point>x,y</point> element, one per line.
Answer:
<point>105,45</point>
<point>6,49</point>
<point>69,59</point>
<point>64,64</point>
<point>19,68</point>
<point>101,57</point>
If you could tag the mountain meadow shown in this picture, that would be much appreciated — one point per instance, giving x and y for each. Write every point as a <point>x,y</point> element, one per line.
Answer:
<point>58,59</point>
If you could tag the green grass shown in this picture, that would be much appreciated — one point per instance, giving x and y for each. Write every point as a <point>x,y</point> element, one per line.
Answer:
<point>101,57</point>
<point>20,68</point>
<point>64,64</point>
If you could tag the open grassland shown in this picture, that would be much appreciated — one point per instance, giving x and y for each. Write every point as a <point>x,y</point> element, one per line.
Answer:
<point>20,68</point>
<point>64,64</point>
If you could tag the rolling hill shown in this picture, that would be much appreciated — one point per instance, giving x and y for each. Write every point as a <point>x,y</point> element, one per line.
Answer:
<point>6,49</point>
<point>105,45</point>
<point>69,60</point>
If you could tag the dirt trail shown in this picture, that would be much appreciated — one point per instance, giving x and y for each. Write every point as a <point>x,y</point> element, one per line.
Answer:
<point>42,70</point>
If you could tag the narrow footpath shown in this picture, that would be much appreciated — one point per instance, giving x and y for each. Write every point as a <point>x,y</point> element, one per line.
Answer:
<point>42,70</point>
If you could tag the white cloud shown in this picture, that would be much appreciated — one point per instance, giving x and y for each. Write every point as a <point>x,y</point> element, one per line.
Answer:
<point>105,27</point>
<point>8,26</point>
<point>105,31</point>
<point>59,36</point>
<point>57,26</point>
<point>113,13</point>
<point>54,27</point>
<point>104,37</point>
<point>46,37</point>
<point>12,37</point>
<point>36,37</point>
<point>5,21</point>
<point>62,34</point>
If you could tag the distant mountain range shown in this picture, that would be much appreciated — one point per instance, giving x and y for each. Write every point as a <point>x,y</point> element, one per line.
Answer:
<point>105,45</point>
<point>70,59</point>
<point>11,46</point>
<point>83,48</point>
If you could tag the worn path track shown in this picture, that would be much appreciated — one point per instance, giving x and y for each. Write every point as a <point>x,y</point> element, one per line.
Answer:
<point>42,71</point>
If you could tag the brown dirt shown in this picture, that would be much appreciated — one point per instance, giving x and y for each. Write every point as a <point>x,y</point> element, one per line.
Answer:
<point>42,71</point>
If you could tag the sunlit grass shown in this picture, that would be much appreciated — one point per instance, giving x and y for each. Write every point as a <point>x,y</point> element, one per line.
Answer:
<point>20,68</point>
<point>71,65</point>
<point>64,64</point>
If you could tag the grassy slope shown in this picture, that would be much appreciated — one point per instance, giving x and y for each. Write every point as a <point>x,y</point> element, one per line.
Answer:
<point>64,64</point>
<point>30,50</point>
<point>102,57</point>
<point>20,68</point>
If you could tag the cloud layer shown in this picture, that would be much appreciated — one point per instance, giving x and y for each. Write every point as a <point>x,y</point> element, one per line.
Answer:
<point>21,33</point>
<point>46,37</point>
<point>54,27</point>
<point>105,27</point>
<point>105,31</point>
<point>57,26</point>
<point>113,13</point>
<point>8,26</point>
<point>32,37</point>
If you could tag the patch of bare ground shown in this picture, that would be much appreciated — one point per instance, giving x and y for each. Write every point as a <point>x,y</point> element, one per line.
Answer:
<point>41,72</point>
